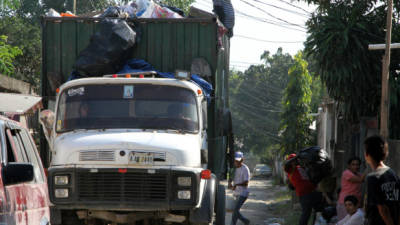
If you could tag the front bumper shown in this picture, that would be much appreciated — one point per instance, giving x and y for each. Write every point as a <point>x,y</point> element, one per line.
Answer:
<point>123,189</point>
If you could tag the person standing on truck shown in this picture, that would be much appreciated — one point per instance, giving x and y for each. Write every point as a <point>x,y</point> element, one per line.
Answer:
<point>305,189</point>
<point>383,185</point>
<point>240,188</point>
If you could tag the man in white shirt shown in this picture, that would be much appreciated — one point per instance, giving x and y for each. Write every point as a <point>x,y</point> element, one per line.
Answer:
<point>355,215</point>
<point>240,187</point>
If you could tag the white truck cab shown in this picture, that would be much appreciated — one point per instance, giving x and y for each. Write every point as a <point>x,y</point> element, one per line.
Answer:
<point>126,148</point>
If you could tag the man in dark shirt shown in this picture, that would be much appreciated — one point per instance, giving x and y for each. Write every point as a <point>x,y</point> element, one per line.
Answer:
<point>383,186</point>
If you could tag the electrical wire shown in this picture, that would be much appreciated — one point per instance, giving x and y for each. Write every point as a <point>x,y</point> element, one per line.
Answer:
<point>282,25</point>
<point>268,41</point>
<point>259,131</point>
<point>269,14</point>
<point>251,63</point>
<point>287,10</point>
<point>264,20</point>
<point>295,6</point>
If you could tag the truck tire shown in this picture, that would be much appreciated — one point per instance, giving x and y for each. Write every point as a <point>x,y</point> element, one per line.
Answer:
<point>220,205</point>
<point>70,218</point>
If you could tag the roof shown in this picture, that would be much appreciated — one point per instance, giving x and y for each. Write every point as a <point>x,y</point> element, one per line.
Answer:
<point>19,103</point>
<point>157,81</point>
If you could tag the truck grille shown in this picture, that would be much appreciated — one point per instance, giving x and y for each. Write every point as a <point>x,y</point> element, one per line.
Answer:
<point>121,187</point>
<point>96,155</point>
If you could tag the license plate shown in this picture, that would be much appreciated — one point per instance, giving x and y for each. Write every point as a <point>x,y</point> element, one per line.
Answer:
<point>141,158</point>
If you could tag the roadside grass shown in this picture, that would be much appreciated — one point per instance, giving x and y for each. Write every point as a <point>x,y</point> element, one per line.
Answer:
<point>283,208</point>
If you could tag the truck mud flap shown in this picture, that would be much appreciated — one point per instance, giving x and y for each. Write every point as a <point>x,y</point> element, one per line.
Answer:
<point>205,213</point>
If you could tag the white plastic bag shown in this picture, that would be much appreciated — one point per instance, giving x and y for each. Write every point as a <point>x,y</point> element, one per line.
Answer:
<point>230,203</point>
<point>142,8</point>
<point>53,13</point>
<point>150,9</point>
<point>163,12</point>
<point>320,220</point>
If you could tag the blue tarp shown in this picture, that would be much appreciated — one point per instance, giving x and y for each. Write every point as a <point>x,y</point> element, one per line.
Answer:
<point>139,65</point>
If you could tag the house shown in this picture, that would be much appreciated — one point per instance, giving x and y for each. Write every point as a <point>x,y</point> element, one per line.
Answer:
<point>19,102</point>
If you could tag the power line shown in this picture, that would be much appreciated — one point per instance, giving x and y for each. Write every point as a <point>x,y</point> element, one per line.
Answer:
<point>283,25</point>
<point>251,63</point>
<point>264,20</point>
<point>264,132</point>
<point>268,41</point>
<point>239,66</point>
<point>256,107</point>
<point>287,10</point>
<point>257,99</point>
<point>295,6</point>
<point>262,10</point>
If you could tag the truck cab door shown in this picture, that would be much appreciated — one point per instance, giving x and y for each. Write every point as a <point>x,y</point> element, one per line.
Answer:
<point>27,198</point>
<point>4,210</point>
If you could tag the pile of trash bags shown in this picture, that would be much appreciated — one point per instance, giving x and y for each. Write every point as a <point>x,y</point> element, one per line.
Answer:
<point>109,49</point>
<point>150,9</point>
<point>135,9</point>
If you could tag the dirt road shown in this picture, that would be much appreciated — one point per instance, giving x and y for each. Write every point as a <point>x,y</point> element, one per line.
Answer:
<point>262,203</point>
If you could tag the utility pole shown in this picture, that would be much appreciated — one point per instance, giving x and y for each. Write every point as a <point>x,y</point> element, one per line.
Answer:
<point>384,131</point>
<point>74,7</point>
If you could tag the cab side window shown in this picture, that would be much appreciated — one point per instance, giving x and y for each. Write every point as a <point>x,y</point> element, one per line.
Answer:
<point>22,150</point>
<point>31,152</point>
<point>11,151</point>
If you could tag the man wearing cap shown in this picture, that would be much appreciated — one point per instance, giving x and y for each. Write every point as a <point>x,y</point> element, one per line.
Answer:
<point>240,187</point>
<point>305,189</point>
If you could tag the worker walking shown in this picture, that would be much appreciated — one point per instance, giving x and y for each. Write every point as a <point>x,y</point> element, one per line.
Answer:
<point>240,187</point>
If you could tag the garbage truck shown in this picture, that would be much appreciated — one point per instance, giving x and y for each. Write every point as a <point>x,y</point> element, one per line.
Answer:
<point>135,147</point>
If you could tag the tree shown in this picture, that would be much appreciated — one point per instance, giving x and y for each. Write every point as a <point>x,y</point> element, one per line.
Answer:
<point>27,37</point>
<point>181,4</point>
<point>8,6</point>
<point>82,6</point>
<point>295,118</point>
<point>7,56</point>
<point>349,63</point>
<point>338,41</point>
<point>255,102</point>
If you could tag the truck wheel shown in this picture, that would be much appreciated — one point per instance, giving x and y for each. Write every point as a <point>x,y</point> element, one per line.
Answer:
<point>220,205</point>
<point>70,218</point>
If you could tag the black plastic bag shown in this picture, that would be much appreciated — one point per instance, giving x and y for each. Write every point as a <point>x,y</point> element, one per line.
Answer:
<point>329,212</point>
<point>316,162</point>
<point>108,50</point>
<point>174,9</point>
<point>112,11</point>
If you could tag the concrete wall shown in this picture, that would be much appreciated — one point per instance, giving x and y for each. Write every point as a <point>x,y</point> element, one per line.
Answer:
<point>8,84</point>
<point>394,155</point>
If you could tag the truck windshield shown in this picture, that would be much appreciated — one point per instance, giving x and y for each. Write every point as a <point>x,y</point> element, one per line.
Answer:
<point>142,106</point>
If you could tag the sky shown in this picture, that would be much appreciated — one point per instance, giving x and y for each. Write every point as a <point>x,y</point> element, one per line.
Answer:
<point>264,25</point>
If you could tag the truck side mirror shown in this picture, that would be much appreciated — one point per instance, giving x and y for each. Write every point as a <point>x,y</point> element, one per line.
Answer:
<point>47,119</point>
<point>15,173</point>
<point>204,113</point>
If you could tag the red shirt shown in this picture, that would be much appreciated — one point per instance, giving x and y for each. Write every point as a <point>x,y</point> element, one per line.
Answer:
<point>301,182</point>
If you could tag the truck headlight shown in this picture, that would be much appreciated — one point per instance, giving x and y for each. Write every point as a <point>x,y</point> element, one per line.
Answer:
<point>184,194</point>
<point>61,180</point>
<point>185,181</point>
<point>61,192</point>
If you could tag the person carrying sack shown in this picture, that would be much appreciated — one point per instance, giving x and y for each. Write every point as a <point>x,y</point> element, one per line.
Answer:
<point>305,189</point>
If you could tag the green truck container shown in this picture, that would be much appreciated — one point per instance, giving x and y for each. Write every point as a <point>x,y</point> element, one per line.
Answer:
<point>168,45</point>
